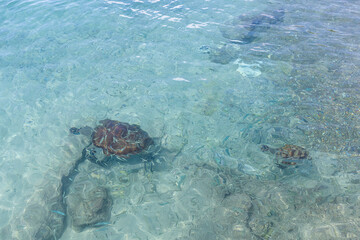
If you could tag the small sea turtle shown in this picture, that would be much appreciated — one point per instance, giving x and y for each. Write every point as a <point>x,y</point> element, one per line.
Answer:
<point>288,155</point>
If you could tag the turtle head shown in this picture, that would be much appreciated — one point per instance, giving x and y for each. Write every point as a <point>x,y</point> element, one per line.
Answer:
<point>86,131</point>
<point>265,148</point>
<point>75,131</point>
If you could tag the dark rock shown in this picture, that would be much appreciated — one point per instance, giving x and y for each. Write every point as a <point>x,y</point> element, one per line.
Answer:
<point>54,225</point>
<point>89,207</point>
<point>246,29</point>
<point>224,54</point>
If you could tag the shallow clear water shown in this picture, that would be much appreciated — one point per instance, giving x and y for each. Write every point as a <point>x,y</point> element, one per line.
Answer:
<point>210,103</point>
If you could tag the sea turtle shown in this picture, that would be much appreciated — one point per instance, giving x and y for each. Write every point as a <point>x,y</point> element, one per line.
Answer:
<point>288,155</point>
<point>115,138</point>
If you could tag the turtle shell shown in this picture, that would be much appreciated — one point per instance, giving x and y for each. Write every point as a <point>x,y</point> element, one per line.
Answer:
<point>119,138</point>
<point>292,154</point>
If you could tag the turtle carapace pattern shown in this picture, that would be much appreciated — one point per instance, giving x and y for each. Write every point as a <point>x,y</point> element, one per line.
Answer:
<point>120,139</point>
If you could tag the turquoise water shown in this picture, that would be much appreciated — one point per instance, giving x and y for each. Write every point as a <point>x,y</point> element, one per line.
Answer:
<point>177,69</point>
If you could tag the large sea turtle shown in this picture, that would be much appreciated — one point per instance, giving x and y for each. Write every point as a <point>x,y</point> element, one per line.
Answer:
<point>288,155</point>
<point>116,139</point>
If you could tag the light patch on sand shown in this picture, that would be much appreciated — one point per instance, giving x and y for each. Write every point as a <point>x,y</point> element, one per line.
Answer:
<point>196,25</point>
<point>180,79</point>
<point>124,16</point>
<point>117,2</point>
<point>248,70</point>
<point>175,19</point>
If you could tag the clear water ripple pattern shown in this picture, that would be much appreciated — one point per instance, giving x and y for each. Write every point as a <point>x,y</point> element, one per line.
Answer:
<point>211,82</point>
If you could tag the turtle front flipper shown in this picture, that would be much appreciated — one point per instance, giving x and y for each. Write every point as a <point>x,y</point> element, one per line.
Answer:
<point>266,148</point>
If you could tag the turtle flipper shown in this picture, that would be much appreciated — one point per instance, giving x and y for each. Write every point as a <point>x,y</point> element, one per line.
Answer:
<point>264,148</point>
<point>86,131</point>
<point>280,166</point>
<point>75,131</point>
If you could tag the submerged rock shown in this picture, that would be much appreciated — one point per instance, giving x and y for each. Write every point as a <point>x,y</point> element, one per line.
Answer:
<point>242,30</point>
<point>245,29</point>
<point>53,225</point>
<point>44,218</point>
<point>224,54</point>
<point>90,207</point>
